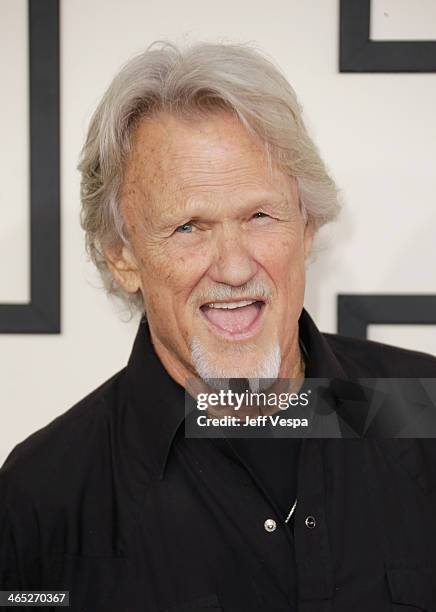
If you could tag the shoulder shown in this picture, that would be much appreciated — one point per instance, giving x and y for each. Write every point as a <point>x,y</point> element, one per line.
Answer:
<point>361,357</point>
<point>40,464</point>
<point>48,477</point>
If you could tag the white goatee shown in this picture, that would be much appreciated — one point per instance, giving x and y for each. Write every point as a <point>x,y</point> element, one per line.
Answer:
<point>260,377</point>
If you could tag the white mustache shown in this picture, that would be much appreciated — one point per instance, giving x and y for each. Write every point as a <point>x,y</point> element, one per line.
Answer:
<point>230,294</point>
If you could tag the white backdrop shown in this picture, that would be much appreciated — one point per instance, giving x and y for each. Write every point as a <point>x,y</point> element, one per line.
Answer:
<point>377,133</point>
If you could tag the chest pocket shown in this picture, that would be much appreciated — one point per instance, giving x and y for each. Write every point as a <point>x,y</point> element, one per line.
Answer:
<point>208,603</point>
<point>412,588</point>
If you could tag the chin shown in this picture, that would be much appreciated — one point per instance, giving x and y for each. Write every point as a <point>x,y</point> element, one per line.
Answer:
<point>260,363</point>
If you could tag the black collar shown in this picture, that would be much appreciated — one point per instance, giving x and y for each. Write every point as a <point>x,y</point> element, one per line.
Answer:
<point>158,401</point>
<point>321,362</point>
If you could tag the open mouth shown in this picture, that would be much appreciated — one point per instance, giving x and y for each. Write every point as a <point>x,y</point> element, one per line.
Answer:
<point>238,319</point>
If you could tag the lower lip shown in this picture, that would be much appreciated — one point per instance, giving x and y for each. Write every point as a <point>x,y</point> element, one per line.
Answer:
<point>248,333</point>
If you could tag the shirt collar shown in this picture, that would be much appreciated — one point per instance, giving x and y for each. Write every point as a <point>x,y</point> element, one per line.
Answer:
<point>156,402</point>
<point>321,361</point>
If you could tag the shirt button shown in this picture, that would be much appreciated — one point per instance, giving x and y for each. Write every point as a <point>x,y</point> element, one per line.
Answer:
<point>270,525</point>
<point>310,522</point>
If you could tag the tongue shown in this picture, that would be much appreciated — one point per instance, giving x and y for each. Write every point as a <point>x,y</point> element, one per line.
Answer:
<point>233,320</point>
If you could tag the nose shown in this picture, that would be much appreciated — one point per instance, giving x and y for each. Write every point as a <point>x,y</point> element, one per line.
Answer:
<point>233,262</point>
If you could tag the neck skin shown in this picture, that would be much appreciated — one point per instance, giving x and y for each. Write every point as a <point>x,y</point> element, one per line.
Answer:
<point>292,363</point>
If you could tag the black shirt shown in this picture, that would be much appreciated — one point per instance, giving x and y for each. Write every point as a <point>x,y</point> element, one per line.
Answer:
<point>273,460</point>
<point>113,503</point>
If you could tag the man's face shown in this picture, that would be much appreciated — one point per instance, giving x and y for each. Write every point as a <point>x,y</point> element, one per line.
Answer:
<point>218,246</point>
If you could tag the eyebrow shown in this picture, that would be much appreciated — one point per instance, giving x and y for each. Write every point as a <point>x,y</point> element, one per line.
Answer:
<point>270,198</point>
<point>195,208</point>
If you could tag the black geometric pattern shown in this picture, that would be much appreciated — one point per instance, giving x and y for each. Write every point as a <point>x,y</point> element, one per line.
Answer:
<point>356,312</point>
<point>357,53</point>
<point>42,313</point>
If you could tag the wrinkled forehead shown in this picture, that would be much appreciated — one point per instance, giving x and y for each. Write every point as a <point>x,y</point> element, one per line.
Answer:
<point>186,155</point>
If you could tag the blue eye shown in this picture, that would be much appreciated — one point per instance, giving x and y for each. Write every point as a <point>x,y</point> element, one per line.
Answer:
<point>181,229</point>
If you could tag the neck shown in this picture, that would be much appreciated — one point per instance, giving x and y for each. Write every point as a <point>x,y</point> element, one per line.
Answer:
<point>293,365</point>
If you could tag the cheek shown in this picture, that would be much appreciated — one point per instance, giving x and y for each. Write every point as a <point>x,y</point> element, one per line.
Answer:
<point>169,276</point>
<point>282,257</point>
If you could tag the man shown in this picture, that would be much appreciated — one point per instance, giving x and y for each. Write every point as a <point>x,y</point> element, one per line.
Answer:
<point>201,195</point>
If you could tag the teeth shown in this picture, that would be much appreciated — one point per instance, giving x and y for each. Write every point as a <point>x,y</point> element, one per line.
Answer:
<point>231,305</point>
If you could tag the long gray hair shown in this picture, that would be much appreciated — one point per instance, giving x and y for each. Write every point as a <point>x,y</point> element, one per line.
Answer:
<point>200,78</point>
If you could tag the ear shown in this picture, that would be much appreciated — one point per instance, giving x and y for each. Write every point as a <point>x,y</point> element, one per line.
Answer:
<point>308,228</point>
<point>123,265</point>
<point>309,232</point>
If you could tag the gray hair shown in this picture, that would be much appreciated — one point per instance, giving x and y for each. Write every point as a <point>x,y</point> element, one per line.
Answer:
<point>200,78</point>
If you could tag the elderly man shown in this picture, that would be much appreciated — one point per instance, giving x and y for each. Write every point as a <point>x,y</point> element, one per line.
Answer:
<point>201,194</point>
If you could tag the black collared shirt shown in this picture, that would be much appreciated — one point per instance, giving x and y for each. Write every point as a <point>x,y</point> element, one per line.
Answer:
<point>113,503</point>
